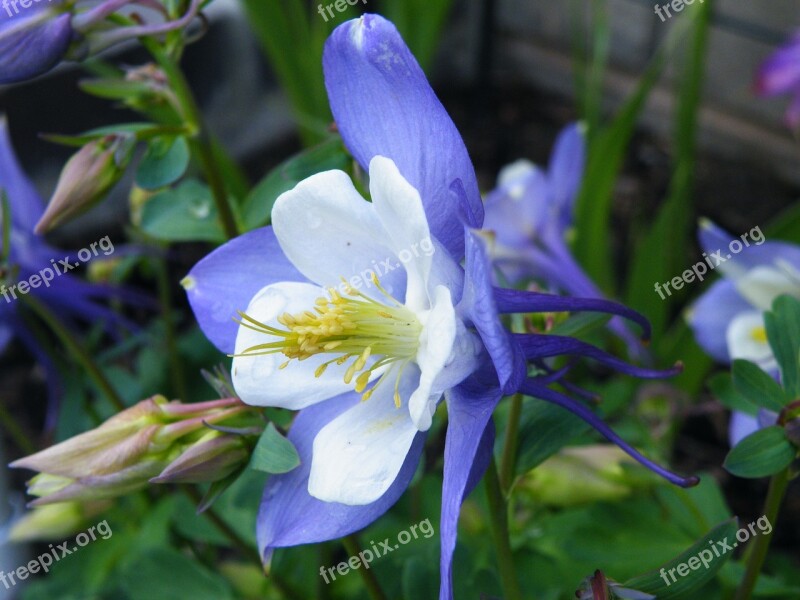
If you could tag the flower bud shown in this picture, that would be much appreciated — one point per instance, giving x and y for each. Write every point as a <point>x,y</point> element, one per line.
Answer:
<point>31,43</point>
<point>55,521</point>
<point>86,179</point>
<point>124,453</point>
<point>213,457</point>
<point>581,475</point>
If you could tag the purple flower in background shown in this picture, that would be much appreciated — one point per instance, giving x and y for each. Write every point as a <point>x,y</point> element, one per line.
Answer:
<point>530,214</point>
<point>64,295</point>
<point>728,320</point>
<point>780,74</point>
<point>367,360</point>
<point>36,39</point>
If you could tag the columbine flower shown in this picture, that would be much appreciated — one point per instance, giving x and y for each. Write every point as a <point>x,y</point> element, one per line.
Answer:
<point>34,40</point>
<point>530,214</point>
<point>365,358</point>
<point>125,452</point>
<point>65,295</point>
<point>780,74</point>
<point>728,320</point>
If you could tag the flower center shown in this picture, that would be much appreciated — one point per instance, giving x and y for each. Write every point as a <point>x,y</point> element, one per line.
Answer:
<point>352,327</point>
<point>759,334</point>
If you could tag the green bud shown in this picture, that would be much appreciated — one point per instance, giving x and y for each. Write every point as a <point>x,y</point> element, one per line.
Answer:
<point>123,454</point>
<point>581,475</point>
<point>55,521</point>
<point>86,179</point>
<point>211,458</point>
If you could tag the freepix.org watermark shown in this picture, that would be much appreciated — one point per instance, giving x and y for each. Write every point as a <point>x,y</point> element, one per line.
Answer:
<point>43,562</point>
<point>676,5</point>
<point>717,550</point>
<point>15,4</point>
<point>339,5</point>
<point>382,549</point>
<point>711,261</point>
<point>48,274</point>
<point>380,268</point>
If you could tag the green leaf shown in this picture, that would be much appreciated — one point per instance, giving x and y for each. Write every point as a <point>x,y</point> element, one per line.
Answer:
<point>660,255</point>
<point>183,214</point>
<point>324,157</point>
<point>274,453</point>
<point>142,131</point>
<point>699,563</point>
<point>604,162</point>
<point>166,574</point>
<point>761,454</point>
<point>165,161</point>
<point>544,429</point>
<point>721,386</point>
<point>783,331</point>
<point>756,386</point>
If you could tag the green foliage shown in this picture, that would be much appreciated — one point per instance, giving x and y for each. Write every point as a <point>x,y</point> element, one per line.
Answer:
<point>274,453</point>
<point>761,454</point>
<point>699,562</point>
<point>185,213</point>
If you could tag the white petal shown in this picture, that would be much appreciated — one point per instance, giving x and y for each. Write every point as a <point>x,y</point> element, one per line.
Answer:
<point>258,380</point>
<point>357,456</point>
<point>399,207</point>
<point>328,231</point>
<point>447,355</point>
<point>761,285</point>
<point>515,172</point>
<point>746,339</point>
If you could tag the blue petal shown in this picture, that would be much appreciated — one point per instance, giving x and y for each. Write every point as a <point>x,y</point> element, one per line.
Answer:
<point>478,305</point>
<point>531,387</point>
<point>226,280</point>
<point>537,346</point>
<point>466,454</point>
<point>713,239</point>
<point>741,425</point>
<point>518,210</point>
<point>566,171</point>
<point>32,52</point>
<point>518,301</point>
<point>289,516</point>
<point>384,105</point>
<point>24,201</point>
<point>711,314</point>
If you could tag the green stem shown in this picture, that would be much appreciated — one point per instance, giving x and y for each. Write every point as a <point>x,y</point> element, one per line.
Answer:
<point>758,553</point>
<point>170,338</point>
<point>75,348</point>
<point>499,519</point>
<point>12,428</point>
<point>508,460</point>
<point>246,549</point>
<point>200,141</point>
<point>370,581</point>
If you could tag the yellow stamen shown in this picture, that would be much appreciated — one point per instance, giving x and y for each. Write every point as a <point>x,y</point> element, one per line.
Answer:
<point>759,334</point>
<point>353,327</point>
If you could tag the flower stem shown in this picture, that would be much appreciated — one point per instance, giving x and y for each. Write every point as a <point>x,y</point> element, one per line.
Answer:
<point>200,140</point>
<point>75,348</point>
<point>370,581</point>
<point>499,518</point>
<point>777,488</point>
<point>170,337</point>
<point>12,428</point>
<point>508,460</point>
<point>246,549</point>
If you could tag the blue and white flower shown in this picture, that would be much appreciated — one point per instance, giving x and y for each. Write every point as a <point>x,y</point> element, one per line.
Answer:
<point>367,368</point>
